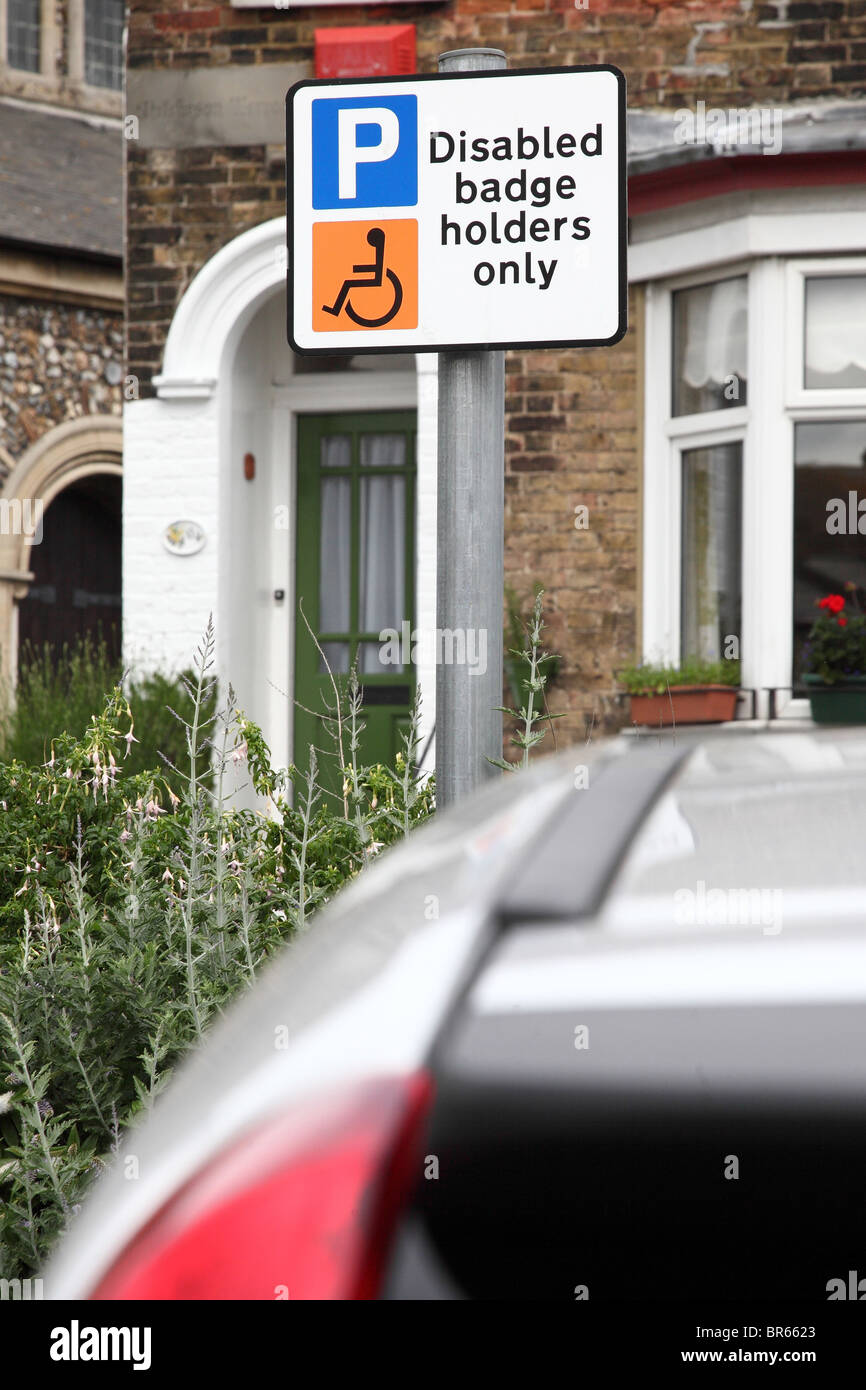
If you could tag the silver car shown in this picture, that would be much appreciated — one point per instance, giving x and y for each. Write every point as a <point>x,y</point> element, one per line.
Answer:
<point>599,1032</point>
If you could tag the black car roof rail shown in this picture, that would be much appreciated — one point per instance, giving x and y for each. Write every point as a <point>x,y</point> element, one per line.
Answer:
<point>569,866</point>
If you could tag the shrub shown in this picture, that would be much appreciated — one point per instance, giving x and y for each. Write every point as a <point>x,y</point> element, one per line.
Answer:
<point>58,690</point>
<point>135,906</point>
<point>647,679</point>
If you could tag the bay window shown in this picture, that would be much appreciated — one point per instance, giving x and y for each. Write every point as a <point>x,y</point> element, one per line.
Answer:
<point>755,463</point>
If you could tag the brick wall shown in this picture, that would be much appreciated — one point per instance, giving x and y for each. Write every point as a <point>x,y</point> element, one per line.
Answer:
<point>572,417</point>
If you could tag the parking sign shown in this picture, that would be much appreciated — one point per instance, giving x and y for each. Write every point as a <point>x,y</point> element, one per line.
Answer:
<point>476,210</point>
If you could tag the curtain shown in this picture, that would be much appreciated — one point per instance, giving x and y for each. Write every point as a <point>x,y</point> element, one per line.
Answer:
<point>382,557</point>
<point>715,345</point>
<point>711,549</point>
<point>836,329</point>
<point>335,554</point>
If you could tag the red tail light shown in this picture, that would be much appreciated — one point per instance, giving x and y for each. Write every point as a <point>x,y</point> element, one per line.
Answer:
<point>303,1208</point>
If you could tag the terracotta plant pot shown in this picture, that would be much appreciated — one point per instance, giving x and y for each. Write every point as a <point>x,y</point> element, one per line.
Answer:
<point>686,704</point>
<point>842,703</point>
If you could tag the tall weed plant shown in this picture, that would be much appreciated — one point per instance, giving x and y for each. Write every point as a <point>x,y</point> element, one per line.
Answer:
<point>137,901</point>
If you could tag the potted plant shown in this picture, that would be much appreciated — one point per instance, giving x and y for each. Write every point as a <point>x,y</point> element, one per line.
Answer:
<point>834,660</point>
<point>695,692</point>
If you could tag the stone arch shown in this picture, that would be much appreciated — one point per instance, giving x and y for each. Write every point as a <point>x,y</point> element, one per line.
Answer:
<point>71,451</point>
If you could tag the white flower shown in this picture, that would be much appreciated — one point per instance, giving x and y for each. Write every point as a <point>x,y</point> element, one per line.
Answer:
<point>4,1102</point>
<point>168,876</point>
<point>130,740</point>
<point>239,753</point>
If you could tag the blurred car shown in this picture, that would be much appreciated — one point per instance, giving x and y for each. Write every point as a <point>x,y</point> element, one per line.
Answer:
<point>599,1032</point>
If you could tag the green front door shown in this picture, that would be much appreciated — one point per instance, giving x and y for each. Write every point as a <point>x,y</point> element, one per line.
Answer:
<point>355,578</point>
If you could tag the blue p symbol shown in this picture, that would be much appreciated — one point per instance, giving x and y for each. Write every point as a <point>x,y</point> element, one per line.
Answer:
<point>365,152</point>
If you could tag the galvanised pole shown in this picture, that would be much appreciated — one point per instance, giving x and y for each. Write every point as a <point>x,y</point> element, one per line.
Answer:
<point>469,557</point>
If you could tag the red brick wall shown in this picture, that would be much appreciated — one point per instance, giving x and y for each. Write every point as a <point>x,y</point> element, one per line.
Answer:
<point>572,417</point>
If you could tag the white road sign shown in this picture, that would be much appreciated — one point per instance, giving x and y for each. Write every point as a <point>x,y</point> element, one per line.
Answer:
<point>477,210</point>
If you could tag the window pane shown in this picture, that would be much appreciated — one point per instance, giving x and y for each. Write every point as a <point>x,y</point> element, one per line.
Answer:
<point>336,451</point>
<point>22,34</point>
<point>829,548</point>
<point>382,553</point>
<point>710,365</point>
<point>835,332</point>
<point>337,656</point>
<point>711,549</point>
<point>383,451</point>
<point>335,554</point>
<point>103,43</point>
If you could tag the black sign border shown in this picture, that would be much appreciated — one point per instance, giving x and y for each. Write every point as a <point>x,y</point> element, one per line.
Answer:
<point>496,73</point>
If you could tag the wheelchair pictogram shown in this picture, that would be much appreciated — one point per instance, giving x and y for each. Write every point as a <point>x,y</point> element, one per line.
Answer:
<point>374,277</point>
<point>365,276</point>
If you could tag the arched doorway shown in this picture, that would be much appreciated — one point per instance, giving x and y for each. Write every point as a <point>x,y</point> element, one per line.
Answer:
<point>76,587</point>
<point>37,528</point>
<point>219,446</point>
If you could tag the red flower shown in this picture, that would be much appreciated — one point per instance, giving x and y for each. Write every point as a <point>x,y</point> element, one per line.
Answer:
<point>843,622</point>
<point>833,602</point>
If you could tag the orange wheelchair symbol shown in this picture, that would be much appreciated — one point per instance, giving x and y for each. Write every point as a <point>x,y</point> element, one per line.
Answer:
<point>353,289</point>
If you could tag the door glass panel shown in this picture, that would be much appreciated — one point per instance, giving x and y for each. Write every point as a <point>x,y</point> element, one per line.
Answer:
<point>336,656</point>
<point>383,451</point>
<point>335,554</point>
<point>381,658</point>
<point>711,549</point>
<point>835,332</point>
<point>382,553</point>
<point>829,546</point>
<point>710,346</point>
<point>336,451</point>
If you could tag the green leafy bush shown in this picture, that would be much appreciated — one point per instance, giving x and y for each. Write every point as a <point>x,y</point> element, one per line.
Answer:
<point>133,907</point>
<point>58,690</point>
<point>647,679</point>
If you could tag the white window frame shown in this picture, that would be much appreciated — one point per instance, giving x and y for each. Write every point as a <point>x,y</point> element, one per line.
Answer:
<point>776,401</point>
<point>797,396</point>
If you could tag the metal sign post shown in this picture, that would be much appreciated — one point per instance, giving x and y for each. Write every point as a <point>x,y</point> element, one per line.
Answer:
<point>470,503</point>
